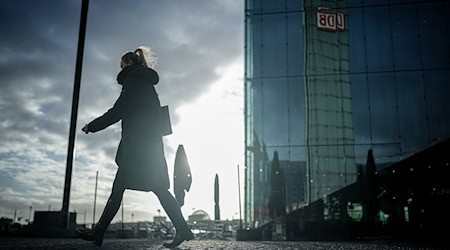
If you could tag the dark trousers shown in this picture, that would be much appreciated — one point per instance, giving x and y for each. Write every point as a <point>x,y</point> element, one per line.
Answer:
<point>166,199</point>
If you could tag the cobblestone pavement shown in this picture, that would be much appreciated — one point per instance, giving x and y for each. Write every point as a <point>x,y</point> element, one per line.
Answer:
<point>131,244</point>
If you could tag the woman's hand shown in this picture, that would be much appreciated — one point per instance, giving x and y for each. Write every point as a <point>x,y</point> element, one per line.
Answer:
<point>85,129</point>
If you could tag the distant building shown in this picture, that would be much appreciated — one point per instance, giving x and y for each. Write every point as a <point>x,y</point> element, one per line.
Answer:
<point>50,223</point>
<point>5,224</point>
<point>198,216</point>
<point>157,219</point>
<point>130,230</point>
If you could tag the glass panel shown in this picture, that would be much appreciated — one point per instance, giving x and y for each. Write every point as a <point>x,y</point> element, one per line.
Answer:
<point>412,111</point>
<point>447,19</point>
<point>361,155</point>
<point>295,175</point>
<point>329,170</point>
<point>383,103</point>
<point>275,112</point>
<point>256,42</point>
<point>257,106</point>
<point>405,37</point>
<point>375,2</point>
<point>298,153</point>
<point>312,5</point>
<point>329,135</point>
<point>249,47</point>
<point>271,6</point>
<point>386,154</point>
<point>401,1</point>
<point>434,39</point>
<point>356,37</point>
<point>295,44</point>
<point>294,5</point>
<point>296,111</point>
<point>249,4</point>
<point>262,183</point>
<point>354,3</point>
<point>249,114</point>
<point>256,6</point>
<point>360,108</point>
<point>378,41</point>
<point>274,45</point>
<point>283,153</point>
<point>437,94</point>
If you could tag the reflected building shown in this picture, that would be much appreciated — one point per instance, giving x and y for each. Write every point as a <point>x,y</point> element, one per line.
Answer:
<point>329,126</point>
<point>325,81</point>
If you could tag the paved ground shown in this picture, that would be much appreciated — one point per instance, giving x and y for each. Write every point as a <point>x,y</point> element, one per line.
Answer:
<point>131,244</point>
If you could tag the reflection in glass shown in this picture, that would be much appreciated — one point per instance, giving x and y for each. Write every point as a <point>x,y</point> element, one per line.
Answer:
<point>322,99</point>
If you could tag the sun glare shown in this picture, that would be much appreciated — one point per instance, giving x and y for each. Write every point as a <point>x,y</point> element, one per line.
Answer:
<point>211,130</point>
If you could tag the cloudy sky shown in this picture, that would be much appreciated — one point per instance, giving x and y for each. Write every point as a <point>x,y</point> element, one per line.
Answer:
<point>199,45</point>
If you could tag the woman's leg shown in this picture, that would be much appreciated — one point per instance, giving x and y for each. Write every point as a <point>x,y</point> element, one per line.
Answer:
<point>112,206</point>
<point>172,209</point>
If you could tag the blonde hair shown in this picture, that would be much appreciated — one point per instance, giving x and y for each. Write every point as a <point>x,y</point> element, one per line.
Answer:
<point>147,56</point>
<point>142,55</point>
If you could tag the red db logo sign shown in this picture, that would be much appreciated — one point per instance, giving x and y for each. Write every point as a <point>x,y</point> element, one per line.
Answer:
<point>331,21</point>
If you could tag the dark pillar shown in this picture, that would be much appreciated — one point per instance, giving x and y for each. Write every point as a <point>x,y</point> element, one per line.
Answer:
<point>73,119</point>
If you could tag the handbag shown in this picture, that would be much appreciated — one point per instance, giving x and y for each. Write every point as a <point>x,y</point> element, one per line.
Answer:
<point>165,121</point>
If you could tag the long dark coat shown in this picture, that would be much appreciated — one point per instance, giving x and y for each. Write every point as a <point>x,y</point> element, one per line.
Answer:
<point>140,156</point>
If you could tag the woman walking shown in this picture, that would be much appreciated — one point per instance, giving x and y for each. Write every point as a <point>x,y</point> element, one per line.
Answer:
<point>140,156</point>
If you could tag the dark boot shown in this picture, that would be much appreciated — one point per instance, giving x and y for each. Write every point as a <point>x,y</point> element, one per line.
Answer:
<point>181,236</point>
<point>91,235</point>
<point>172,209</point>
<point>96,235</point>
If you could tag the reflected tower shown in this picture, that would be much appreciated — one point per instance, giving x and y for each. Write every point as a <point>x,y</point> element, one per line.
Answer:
<point>329,127</point>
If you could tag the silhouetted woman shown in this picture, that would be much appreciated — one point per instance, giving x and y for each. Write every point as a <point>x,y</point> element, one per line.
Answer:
<point>140,156</point>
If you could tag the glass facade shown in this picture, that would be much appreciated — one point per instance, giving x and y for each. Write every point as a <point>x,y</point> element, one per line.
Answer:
<point>327,80</point>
